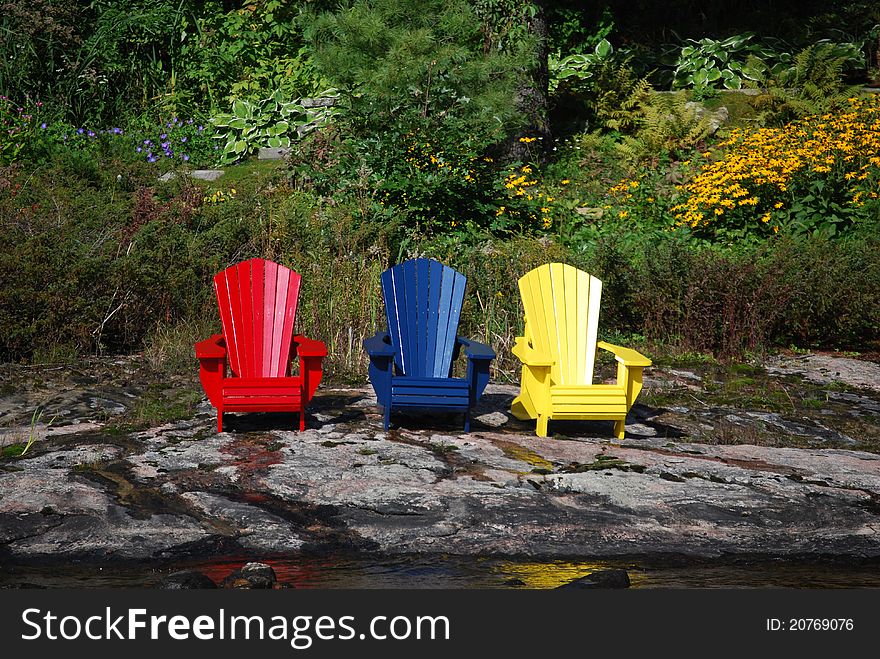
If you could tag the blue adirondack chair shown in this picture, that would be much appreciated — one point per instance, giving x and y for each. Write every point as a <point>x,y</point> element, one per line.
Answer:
<point>411,363</point>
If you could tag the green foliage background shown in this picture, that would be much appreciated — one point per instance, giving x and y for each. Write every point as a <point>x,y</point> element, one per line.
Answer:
<point>97,255</point>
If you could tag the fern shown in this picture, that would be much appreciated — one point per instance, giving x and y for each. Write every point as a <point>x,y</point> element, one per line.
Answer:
<point>813,84</point>
<point>627,114</point>
<point>665,123</point>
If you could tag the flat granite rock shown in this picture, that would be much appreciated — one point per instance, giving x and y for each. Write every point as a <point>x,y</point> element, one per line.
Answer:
<point>674,486</point>
<point>200,174</point>
<point>825,369</point>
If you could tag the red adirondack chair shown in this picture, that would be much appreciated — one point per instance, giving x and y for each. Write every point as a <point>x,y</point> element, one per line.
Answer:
<point>257,301</point>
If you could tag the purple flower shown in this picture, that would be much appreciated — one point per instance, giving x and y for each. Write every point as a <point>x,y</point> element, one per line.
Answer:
<point>165,145</point>
<point>201,128</point>
<point>169,154</point>
<point>91,133</point>
<point>182,139</point>
<point>185,157</point>
<point>117,131</point>
<point>80,131</point>
<point>43,125</point>
<point>189,122</point>
<point>163,136</point>
<point>139,149</point>
<point>151,158</point>
<point>169,124</point>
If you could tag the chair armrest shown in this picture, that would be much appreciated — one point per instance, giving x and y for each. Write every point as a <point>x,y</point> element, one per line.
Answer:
<point>213,348</point>
<point>626,356</point>
<point>475,349</point>
<point>211,354</point>
<point>309,347</point>
<point>529,356</point>
<point>379,345</point>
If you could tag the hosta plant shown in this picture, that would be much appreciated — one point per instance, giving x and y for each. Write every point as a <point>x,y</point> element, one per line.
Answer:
<point>710,63</point>
<point>272,122</point>
<point>577,69</point>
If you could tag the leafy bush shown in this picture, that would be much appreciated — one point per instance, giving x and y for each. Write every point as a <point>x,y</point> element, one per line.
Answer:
<point>593,90</point>
<point>16,130</point>
<point>247,53</point>
<point>39,48</point>
<point>815,175</point>
<point>663,125</point>
<point>105,62</point>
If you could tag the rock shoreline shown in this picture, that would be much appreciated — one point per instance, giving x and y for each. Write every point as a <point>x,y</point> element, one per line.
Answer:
<point>798,484</point>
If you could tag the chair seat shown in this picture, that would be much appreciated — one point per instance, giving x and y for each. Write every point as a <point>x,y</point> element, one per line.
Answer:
<point>451,393</point>
<point>263,394</point>
<point>597,401</point>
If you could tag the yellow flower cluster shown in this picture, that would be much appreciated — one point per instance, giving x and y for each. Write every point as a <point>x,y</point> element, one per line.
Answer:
<point>218,196</point>
<point>521,184</point>
<point>761,172</point>
<point>623,190</point>
<point>422,157</point>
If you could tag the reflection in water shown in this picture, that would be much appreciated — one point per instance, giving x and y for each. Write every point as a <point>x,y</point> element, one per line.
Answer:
<point>552,574</point>
<point>455,572</point>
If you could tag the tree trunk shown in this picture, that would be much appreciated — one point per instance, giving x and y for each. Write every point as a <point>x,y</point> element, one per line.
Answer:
<point>532,99</point>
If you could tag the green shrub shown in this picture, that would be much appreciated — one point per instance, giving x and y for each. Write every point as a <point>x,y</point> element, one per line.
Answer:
<point>421,104</point>
<point>831,291</point>
<point>92,264</point>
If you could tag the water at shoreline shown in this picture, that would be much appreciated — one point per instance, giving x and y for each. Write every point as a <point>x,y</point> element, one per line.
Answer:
<point>455,573</point>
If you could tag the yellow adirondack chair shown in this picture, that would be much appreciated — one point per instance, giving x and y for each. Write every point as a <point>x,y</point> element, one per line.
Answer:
<point>558,352</point>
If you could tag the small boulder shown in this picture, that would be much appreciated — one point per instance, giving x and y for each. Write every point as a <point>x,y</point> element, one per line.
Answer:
<point>252,575</point>
<point>268,153</point>
<point>186,580</point>
<point>492,419</point>
<point>599,579</point>
<point>715,119</point>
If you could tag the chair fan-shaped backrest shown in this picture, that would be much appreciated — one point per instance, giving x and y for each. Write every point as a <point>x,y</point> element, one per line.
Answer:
<point>257,301</point>
<point>562,318</point>
<point>423,301</point>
